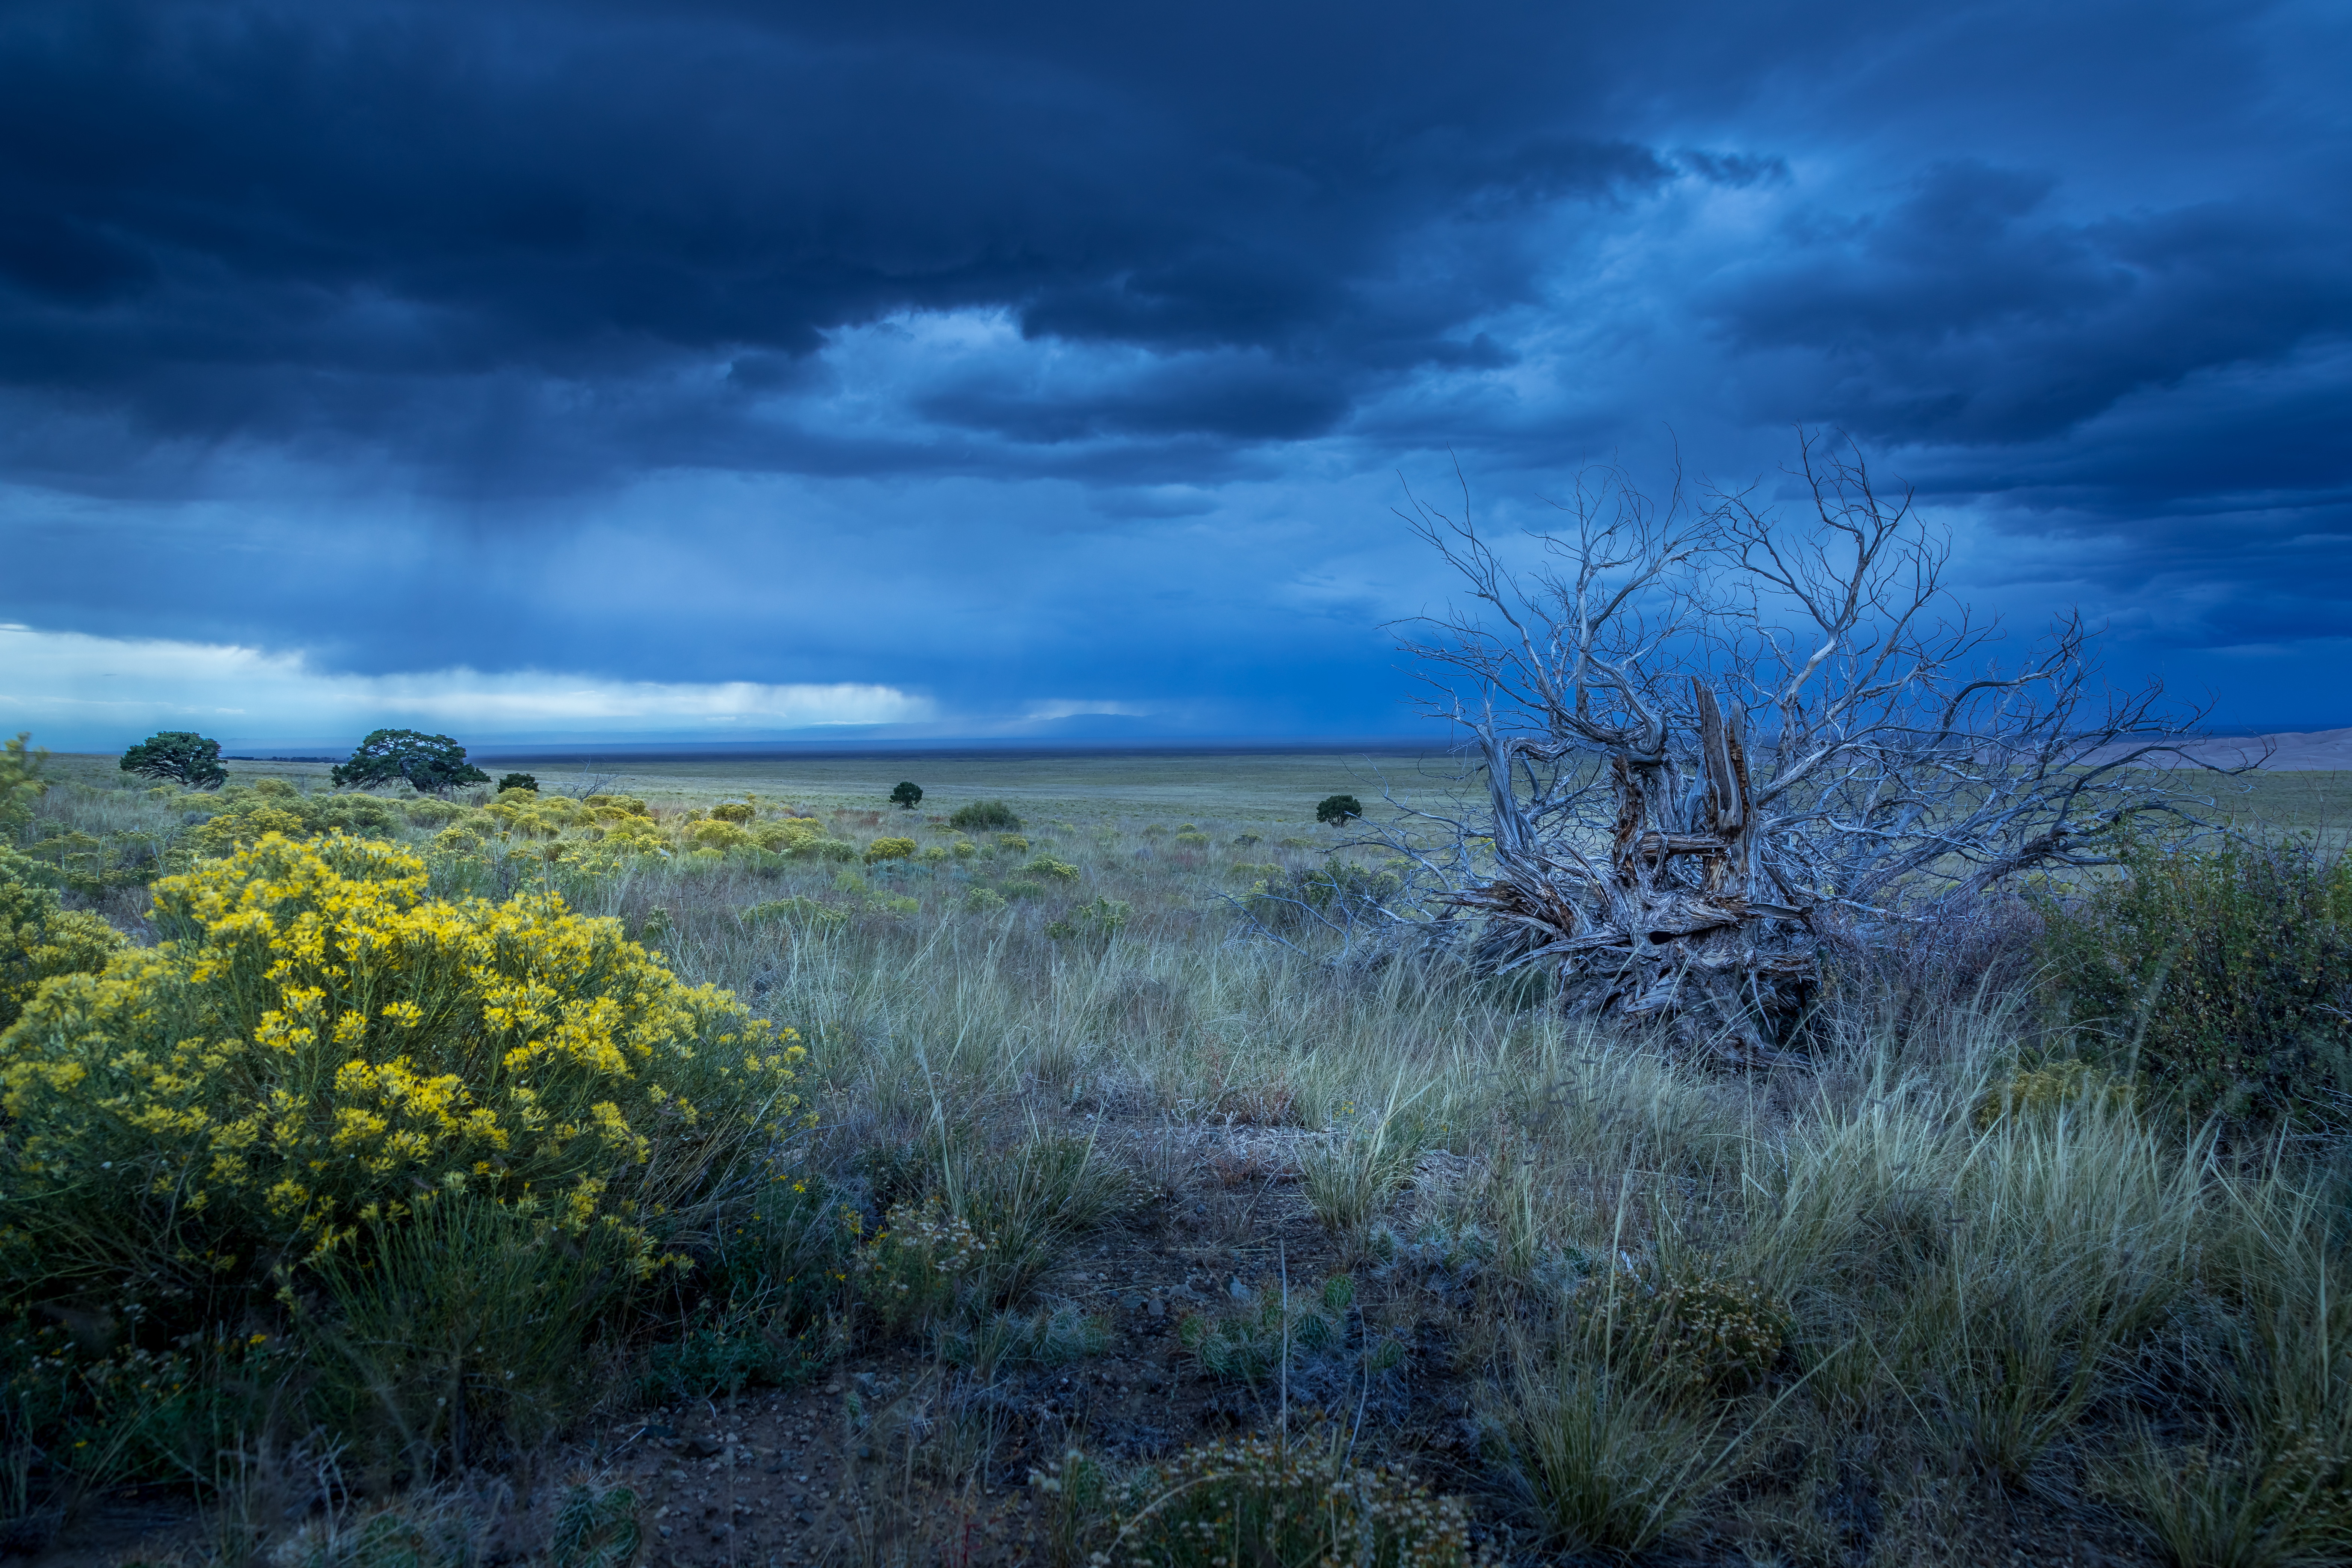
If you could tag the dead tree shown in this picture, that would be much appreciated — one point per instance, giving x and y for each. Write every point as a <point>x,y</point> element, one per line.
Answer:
<point>1714,739</point>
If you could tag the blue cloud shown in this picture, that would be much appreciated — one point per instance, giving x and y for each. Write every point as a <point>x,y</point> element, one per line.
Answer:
<point>1014,354</point>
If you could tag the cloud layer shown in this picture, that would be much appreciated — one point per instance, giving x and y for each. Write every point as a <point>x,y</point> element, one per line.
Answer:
<point>80,691</point>
<point>1004,354</point>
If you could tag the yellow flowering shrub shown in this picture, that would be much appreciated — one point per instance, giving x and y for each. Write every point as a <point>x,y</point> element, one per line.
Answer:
<point>788,836</point>
<point>718,833</point>
<point>890,850</point>
<point>734,811</point>
<point>323,1050</point>
<point>245,814</point>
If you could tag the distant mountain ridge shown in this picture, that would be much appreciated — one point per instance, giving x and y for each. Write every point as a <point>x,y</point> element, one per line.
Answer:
<point>2310,751</point>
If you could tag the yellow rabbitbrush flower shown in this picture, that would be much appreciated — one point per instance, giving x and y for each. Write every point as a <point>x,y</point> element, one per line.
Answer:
<point>322,1047</point>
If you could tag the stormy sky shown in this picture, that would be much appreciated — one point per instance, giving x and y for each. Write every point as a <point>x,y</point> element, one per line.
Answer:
<point>592,369</point>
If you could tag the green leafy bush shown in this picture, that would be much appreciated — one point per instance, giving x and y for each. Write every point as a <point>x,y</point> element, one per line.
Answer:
<point>180,756</point>
<point>985,816</point>
<point>908,794</point>
<point>40,939</point>
<point>21,785</point>
<point>517,781</point>
<point>1337,809</point>
<point>2220,977</point>
<point>1336,889</point>
<point>733,811</point>
<point>430,764</point>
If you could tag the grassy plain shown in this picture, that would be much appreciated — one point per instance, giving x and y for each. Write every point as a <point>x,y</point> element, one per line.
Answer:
<point>1922,1298</point>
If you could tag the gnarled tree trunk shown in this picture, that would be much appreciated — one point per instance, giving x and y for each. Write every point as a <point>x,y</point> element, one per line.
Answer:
<point>1664,921</point>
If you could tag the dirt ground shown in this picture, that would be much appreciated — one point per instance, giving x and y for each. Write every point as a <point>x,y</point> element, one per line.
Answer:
<point>892,1457</point>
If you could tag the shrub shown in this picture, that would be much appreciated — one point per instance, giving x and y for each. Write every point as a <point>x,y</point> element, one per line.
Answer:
<point>1046,866</point>
<point>181,756</point>
<point>890,850</point>
<point>2041,1090</point>
<point>1283,1502</point>
<point>1098,922</point>
<point>802,911</point>
<point>321,1050</point>
<point>246,815</point>
<point>985,816</point>
<point>1337,809</point>
<point>431,764</point>
<point>789,836</point>
<point>907,795</point>
<point>1012,844</point>
<point>922,1264</point>
<point>1194,840</point>
<point>733,811</point>
<point>719,834</point>
<point>40,939</point>
<point>1248,1346</point>
<point>1337,888</point>
<point>21,785</point>
<point>517,781</point>
<point>2223,978</point>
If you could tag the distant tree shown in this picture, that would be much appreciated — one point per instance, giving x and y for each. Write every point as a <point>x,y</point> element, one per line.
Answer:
<point>431,764</point>
<point>519,780</point>
<point>181,756</point>
<point>1338,808</point>
<point>986,816</point>
<point>909,795</point>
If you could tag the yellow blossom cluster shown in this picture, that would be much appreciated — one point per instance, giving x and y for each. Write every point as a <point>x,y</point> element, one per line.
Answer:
<point>322,1049</point>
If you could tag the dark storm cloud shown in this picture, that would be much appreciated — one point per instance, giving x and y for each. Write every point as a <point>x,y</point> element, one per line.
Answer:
<point>389,281</point>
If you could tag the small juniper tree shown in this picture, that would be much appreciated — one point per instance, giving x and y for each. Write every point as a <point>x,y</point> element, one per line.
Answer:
<point>909,795</point>
<point>1338,809</point>
<point>181,756</point>
<point>519,780</point>
<point>431,764</point>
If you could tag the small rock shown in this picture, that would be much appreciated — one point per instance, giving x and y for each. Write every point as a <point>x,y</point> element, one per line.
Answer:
<point>833,1387</point>
<point>1159,1308</point>
<point>703,1448</point>
<point>1239,1291</point>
